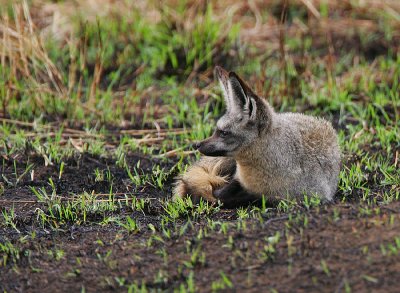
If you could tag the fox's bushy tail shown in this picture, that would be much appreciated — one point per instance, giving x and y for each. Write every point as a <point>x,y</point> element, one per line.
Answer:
<point>203,177</point>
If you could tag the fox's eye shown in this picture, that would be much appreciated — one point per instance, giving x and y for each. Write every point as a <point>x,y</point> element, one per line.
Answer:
<point>223,133</point>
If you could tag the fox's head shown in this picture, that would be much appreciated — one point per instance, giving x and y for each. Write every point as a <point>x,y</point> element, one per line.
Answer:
<point>247,118</point>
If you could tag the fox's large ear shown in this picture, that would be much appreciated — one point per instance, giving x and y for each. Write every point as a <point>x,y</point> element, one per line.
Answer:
<point>223,78</point>
<point>242,97</point>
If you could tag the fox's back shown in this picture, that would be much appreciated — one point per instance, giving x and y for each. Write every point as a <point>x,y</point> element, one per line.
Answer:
<point>316,135</point>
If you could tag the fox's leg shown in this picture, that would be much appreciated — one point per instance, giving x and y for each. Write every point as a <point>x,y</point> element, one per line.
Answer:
<point>234,195</point>
<point>203,177</point>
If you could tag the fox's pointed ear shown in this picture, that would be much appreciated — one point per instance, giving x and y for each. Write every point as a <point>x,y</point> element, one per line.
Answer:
<point>238,93</point>
<point>242,96</point>
<point>223,78</point>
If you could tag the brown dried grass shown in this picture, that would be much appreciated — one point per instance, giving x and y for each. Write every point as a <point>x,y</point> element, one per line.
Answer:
<point>22,50</point>
<point>259,26</point>
<point>23,37</point>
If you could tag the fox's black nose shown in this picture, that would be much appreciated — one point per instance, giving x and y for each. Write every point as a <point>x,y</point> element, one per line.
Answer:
<point>197,145</point>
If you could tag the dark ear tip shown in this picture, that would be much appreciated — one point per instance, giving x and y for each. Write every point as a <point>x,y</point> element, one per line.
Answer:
<point>219,71</point>
<point>233,74</point>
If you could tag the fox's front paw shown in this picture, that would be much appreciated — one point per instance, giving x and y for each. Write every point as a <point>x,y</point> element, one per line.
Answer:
<point>234,195</point>
<point>219,193</point>
<point>227,193</point>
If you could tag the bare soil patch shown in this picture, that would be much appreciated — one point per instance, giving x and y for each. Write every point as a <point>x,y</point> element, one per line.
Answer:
<point>325,249</point>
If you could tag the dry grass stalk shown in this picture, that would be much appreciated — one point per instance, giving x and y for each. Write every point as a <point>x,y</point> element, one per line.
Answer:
<point>23,50</point>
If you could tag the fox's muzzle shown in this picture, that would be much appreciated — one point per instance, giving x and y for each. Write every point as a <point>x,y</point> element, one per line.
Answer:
<point>209,147</point>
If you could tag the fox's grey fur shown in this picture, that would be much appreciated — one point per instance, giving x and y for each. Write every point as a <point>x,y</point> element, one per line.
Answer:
<point>268,153</point>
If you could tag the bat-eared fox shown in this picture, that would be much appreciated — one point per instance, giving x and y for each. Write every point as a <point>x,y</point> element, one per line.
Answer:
<point>255,151</point>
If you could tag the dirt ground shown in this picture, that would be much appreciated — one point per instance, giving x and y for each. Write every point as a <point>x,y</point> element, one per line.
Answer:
<point>342,246</point>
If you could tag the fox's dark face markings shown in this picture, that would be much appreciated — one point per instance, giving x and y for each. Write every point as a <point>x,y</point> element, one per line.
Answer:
<point>226,141</point>
<point>223,133</point>
<point>221,143</point>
